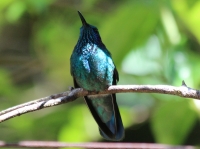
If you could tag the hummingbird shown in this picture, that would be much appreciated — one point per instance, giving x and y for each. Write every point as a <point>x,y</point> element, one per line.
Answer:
<point>93,69</point>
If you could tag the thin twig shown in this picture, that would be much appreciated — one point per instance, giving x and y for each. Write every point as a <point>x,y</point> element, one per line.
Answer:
<point>95,145</point>
<point>34,102</point>
<point>68,96</point>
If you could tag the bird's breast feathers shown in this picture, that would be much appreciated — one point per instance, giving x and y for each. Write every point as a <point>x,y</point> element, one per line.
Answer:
<point>94,68</point>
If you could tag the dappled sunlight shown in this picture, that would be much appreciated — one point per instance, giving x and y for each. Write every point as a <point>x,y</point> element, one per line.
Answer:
<point>151,42</point>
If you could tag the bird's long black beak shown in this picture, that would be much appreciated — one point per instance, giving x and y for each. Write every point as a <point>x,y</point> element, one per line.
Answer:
<point>82,19</point>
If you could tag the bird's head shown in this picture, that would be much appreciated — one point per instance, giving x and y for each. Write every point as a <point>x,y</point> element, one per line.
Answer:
<point>89,32</point>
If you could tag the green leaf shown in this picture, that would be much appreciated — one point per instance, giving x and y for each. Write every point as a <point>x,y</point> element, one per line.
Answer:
<point>80,127</point>
<point>172,121</point>
<point>151,52</point>
<point>129,26</point>
<point>15,11</point>
<point>6,88</point>
<point>189,14</point>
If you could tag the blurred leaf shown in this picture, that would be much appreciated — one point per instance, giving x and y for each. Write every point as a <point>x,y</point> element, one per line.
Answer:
<point>135,21</point>
<point>54,43</point>
<point>144,60</point>
<point>128,116</point>
<point>178,65</point>
<point>189,14</point>
<point>15,11</point>
<point>80,127</point>
<point>6,87</point>
<point>38,7</point>
<point>172,121</point>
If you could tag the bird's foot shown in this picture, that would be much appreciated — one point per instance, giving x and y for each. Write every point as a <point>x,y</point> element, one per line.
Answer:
<point>71,88</point>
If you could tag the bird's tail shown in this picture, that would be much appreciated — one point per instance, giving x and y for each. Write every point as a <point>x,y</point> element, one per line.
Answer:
<point>106,113</point>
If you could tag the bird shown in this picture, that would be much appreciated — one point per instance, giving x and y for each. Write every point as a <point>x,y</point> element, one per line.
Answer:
<point>93,69</point>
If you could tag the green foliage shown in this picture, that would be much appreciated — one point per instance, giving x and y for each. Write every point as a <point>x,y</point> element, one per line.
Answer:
<point>79,123</point>
<point>6,88</point>
<point>152,42</point>
<point>173,120</point>
<point>134,23</point>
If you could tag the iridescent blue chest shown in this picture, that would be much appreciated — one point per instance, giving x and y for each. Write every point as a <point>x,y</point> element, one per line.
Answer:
<point>92,67</point>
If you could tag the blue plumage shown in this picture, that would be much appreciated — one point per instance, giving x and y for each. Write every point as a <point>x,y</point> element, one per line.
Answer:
<point>92,68</point>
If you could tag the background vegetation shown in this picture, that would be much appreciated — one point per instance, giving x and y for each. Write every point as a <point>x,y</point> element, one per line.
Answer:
<point>152,42</point>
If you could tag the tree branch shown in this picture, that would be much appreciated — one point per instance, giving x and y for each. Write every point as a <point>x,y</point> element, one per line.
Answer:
<point>93,145</point>
<point>68,96</point>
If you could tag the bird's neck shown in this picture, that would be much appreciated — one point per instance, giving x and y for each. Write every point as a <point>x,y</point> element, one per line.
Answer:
<point>87,39</point>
